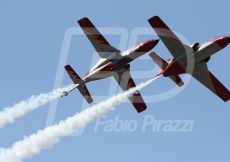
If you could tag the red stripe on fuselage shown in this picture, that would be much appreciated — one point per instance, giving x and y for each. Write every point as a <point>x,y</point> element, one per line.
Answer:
<point>221,41</point>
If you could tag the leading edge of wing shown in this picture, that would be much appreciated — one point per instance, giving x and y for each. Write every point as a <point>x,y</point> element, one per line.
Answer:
<point>90,29</point>
<point>99,42</point>
<point>169,38</point>
<point>160,27</point>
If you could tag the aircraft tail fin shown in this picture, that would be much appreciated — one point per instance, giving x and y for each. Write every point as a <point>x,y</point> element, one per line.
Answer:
<point>77,80</point>
<point>163,64</point>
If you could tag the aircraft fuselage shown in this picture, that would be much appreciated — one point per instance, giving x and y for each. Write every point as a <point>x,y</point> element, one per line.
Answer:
<point>187,63</point>
<point>118,61</point>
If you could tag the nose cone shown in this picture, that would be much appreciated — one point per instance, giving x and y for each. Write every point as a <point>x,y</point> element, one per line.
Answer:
<point>228,39</point>
<point>222,41</point>
<point>147,45</point>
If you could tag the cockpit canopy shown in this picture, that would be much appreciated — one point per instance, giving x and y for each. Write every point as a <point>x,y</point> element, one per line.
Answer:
<point>195,47</point>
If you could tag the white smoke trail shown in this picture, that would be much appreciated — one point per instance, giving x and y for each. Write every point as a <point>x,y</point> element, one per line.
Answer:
<point>9,114</point>
<point>45,139</point>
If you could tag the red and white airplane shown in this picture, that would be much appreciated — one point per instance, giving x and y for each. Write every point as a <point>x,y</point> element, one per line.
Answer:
<point>113,62</point>
<point>189,59</point>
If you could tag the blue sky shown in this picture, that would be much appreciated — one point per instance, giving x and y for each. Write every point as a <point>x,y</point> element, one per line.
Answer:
<point>31,38</point>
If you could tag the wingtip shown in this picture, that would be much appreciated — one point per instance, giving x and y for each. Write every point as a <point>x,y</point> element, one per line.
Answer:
<point>181,84</point>
<point>153,18</point>
<point>83,19</point>
<point>90,100</point>
<point>68,67</point>
<point>156,22</point>
<point>143,108</point>
<point>227,98</point>
<point>85,23</point>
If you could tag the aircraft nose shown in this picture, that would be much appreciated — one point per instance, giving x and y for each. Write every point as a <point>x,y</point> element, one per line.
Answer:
<point>155,42</point>
<point>228,39</point>
<point>148,45</point>
<point>152,43</point>
<point>223,42</point>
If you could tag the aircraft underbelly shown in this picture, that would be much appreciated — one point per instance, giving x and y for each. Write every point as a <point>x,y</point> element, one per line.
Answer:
<point>99,75</point>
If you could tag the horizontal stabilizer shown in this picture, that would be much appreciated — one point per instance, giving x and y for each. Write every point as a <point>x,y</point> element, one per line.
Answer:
<point>176,79</point>
<point>85,93</point>
<point>77,80</point>
<point>72,74</point>
<point>163,64</point>
<point>158,60</point>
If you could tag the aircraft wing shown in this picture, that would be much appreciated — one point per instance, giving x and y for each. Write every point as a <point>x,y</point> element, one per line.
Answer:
<point>171,41</point>
<point>126,82</point>
<point>205,77</point>
<point>101,45</point>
